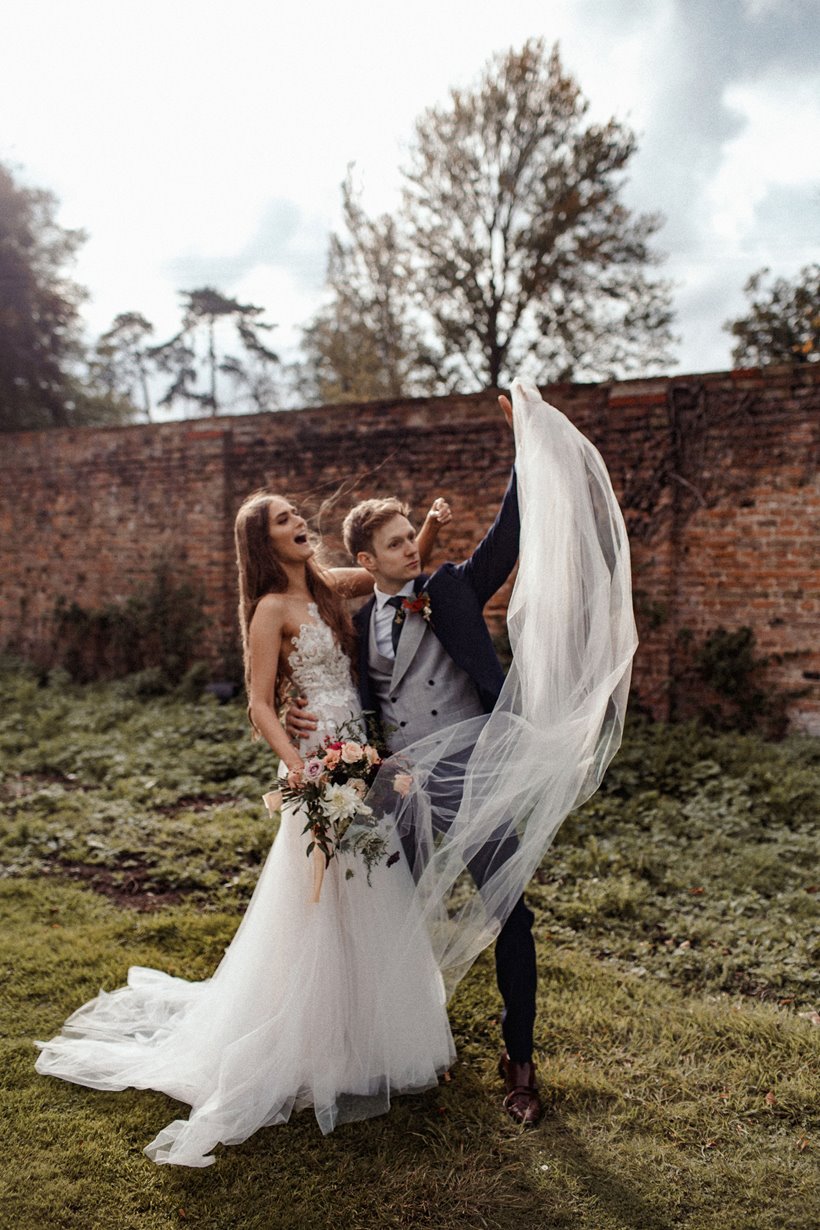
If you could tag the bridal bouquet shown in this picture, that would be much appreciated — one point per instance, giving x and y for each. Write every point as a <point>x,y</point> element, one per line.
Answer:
<point>330,791</point>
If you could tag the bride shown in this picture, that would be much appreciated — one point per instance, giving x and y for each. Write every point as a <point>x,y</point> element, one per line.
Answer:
<point>316,1002</point>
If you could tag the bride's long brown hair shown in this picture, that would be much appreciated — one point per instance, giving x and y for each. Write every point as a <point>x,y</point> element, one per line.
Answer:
<point>260,572</point>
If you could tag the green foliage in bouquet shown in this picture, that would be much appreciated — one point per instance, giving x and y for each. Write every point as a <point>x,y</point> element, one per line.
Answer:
<point>330,791</point>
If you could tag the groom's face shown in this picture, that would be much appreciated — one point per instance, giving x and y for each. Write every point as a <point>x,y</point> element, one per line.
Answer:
<point>394,558</point>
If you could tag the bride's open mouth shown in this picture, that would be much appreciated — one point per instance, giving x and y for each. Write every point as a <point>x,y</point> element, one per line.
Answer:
<point>301,538</point>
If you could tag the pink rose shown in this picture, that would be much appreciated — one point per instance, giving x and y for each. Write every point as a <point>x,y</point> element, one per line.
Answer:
<point>313,770</point>
<point>372,755</point>
<point>331,757</point>
<point>402,783</point>
<point>351,752</point>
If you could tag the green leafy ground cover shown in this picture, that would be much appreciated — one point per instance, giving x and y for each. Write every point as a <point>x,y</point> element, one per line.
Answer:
<point>678,937</point>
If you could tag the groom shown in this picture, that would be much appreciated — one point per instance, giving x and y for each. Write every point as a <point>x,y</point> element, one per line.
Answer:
<point>420,675</point>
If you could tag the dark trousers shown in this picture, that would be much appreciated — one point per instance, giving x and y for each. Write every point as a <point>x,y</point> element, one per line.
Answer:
<point>515,973</point>
<point>515,966</point>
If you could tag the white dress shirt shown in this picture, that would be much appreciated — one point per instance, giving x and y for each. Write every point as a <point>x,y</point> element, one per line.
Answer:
<point>383,616</point>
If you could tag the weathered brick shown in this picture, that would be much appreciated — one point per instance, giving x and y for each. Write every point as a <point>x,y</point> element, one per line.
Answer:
<point>717,475</point>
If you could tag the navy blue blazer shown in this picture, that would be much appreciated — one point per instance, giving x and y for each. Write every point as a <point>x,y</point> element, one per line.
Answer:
<point>458,593</point>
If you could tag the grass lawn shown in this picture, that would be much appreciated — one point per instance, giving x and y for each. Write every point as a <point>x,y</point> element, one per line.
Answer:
<point>677,931</point>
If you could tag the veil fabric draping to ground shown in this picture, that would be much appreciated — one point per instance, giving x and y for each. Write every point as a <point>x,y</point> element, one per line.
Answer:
<point>489,794</point>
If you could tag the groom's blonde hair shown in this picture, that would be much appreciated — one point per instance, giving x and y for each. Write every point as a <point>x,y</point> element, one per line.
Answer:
<point>365,518</point>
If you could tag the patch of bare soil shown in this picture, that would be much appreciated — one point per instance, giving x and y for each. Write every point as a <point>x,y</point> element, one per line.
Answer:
<point>131,891</point>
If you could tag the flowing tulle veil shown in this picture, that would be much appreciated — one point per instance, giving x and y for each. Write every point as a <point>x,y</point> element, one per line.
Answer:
<point>489,794</point>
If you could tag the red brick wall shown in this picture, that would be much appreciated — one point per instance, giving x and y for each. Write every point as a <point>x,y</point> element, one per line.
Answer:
<point>717,475</point>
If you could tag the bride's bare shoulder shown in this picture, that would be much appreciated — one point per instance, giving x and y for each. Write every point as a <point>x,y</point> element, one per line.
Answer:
<point>271,610</point>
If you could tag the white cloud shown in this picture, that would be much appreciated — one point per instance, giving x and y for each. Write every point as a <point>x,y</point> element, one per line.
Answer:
<point>209,141</point>
<point>778,145</point>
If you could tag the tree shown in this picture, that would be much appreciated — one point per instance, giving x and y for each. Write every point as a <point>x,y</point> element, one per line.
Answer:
<point>783,321</point>
<point>39,311</point>
<point>512,251</point>
<point>194,350</point>
<point>524,255</point>
<point>121,360</point>
<point>366,342</point>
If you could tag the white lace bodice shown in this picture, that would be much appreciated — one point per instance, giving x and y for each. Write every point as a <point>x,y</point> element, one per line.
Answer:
<point>320,670</point>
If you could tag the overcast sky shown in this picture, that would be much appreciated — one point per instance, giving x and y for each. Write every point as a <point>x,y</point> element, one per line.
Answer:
<point>198,141</point>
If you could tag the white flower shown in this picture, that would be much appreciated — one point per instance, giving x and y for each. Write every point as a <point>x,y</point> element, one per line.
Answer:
<point>344,802</point>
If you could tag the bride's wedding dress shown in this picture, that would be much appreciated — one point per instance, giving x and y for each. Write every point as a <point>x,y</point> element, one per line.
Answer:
<point>324,1004</point>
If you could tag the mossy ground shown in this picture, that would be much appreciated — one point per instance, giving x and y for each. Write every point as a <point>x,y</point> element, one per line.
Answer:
<point>677,935</point>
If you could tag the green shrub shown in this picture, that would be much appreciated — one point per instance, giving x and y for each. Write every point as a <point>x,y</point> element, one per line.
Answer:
<point>153,634</point>
<point>723,684</point>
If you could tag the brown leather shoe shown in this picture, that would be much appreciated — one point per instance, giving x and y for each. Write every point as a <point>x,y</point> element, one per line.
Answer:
<point>522,1102</point>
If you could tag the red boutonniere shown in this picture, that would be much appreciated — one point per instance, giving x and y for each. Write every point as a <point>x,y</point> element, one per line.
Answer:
<point>420,605</point>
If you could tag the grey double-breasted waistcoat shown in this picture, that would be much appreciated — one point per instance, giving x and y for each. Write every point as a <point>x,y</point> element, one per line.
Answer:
<point>422,690</point>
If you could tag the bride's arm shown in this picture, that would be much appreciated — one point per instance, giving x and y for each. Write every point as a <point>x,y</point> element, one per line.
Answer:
<point>264,645</point>
<point>439,515</point>
<point>358,582</point>
<point>352,582</point>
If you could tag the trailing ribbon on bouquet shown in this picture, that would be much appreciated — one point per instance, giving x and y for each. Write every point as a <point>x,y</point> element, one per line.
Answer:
<point>319,864</point>
<point>273,803</point>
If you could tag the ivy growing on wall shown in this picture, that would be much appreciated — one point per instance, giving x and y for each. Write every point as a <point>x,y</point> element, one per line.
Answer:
<point>155,630</point>
<point>724,683</point>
